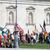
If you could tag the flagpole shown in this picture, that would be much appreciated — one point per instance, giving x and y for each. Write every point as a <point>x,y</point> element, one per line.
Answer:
<point>15,17</point>
<point>16,11</point>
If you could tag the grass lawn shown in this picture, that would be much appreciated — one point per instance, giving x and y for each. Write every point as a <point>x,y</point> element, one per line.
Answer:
<point>37,45</point>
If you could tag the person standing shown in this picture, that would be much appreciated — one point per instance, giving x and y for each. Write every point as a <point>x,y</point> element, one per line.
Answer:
<point>16,38</point>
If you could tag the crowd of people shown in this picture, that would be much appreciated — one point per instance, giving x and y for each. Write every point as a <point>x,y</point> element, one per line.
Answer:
<point>8,40</point>
<point>43,37</point>
<point>35,37</point>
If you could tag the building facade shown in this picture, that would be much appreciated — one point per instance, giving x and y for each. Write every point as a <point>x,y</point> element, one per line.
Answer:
<point>33,13</point>
<point>26,14</point>
<point>8,13</point>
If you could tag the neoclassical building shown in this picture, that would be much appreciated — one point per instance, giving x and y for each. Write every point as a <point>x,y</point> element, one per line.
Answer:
<point>33,12</point>
<point>26,13</point>
<point>8,11</point>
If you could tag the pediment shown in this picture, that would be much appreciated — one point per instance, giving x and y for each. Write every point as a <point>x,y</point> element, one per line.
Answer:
<point>30,8</point>
<point>47,9</point>
<point>11,7</point>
